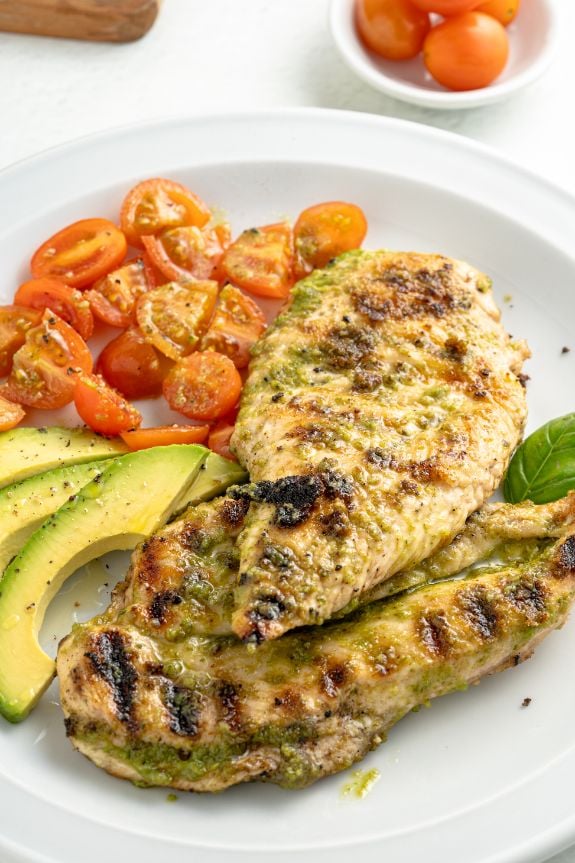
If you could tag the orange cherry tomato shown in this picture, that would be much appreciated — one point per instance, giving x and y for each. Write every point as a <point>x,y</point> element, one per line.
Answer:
<point>394,29</point>
<point>446,7</point>
<point>68,303</point>
<point>154,277</point>
<point>154,205</point>
<point>44,369</point>
<point>466,52</point>
<point>102,408</point>
<point>203,386</point>
<point>133,366</point>
<point>15,321</point>
<point>80,253</point>
<point>237,324</point>
<point>325,231</point>
<point>260,260</point>
<point>504,10</point>
<point>113,299</point>
<point>219,439</point>
<point>187,253</point>
<point>174,317</point>
<point>10,414</point>
<point>164,436</point>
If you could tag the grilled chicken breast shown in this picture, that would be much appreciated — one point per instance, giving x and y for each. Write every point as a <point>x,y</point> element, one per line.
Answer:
<point>204,712</point>
<point>381,409</point>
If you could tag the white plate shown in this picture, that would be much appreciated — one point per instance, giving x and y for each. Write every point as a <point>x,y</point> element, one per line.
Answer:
<point>476,778</point>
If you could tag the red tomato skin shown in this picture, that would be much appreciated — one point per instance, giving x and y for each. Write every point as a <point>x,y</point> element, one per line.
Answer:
<point>394,29</point>
<point>170,205</point>
<point>68,303</point>
<point>466,52</point>
<point>15,321</point>
<point>235,327</point>
<point>11,414</point>
<point>261,261</point>
<point>99,245</point>
<point>200,260</point>
<point>146,438</point>
<point>324,231</point>
<point>447,8</point>
<point>203,386</point>
<point>219,439</point>
<point>505,11</point>
<point>103,409</point>
<point>132,366</point>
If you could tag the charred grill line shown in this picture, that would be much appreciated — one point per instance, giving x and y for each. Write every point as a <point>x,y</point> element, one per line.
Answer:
<point>112,663</point>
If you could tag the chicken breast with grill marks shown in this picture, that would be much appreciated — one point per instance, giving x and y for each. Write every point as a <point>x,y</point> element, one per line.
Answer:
<point>381,409</point>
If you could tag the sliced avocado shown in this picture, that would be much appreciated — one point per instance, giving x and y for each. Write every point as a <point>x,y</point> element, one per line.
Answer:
<point>25,505</point>
<point>28,451</point>
<point>133,497</point>
<point>214,477</point>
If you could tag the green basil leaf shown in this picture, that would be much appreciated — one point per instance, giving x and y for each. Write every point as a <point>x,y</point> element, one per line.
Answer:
<point>543,468</point>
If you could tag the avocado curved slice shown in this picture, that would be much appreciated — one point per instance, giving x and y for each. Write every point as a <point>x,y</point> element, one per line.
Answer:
<point>134,496</point>
<point>215,475</point>
<point>25,452</point>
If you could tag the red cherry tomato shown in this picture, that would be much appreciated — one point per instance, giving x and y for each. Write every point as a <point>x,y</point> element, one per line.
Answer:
<point>154,205</point>
<point>446,7</point>
<point>236,325</point>
<point>174,317</point>
<point>466,52</point>
<point>187,253</point>
<point>394,29</point>
<point>10,414</point>
<point>164,436</point>
<point>203,386</point>
<point>260,261</point>
<point>80,253</point>
<point>219,439</point>
<point>133,366</point>
<point>325,231</point>
<point>102,408</point>
<point>504,10</point>
<point>15,321</point>
<point>113,299</point>
<point>68,303</point>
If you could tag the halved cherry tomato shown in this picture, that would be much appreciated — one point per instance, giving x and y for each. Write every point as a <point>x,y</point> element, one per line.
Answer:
<point>102,408</point>
<point>324,231</point>
<point>15,321</point>
<point>153,276</point>
<point>203,386</point>
<point>80,253</point>
<point>174,317</point>
<point>113,299</point>
<point>156,204</point>
<point>260,261</point>
<point>394,29</point>
<point>237,324</point>
<point>133,366</point>
<point>504,10</point>
<point>446,7</point>
<point>44,369</point>
<point>187,253</point>
<point>466,52</point>
<point>164,436</point>
<point>10,414</point>
<point>68,303</point>
<point>219,439</point>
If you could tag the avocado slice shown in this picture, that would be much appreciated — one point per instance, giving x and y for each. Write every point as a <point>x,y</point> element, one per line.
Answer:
<point>134,496</point>
<point>214,477</point>
<point>28,451</point>
<point>25,505</point>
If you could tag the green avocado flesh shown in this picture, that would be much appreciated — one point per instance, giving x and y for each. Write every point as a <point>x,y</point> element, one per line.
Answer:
<point>25,505</point>
<point>133,497</point>
<point>25,452</point>
<point>215,476</point>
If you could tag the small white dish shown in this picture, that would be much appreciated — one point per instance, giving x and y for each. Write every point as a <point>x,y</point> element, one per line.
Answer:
<point>532,36</point>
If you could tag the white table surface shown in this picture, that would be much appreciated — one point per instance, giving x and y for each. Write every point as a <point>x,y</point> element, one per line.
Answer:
<point>231,54</point>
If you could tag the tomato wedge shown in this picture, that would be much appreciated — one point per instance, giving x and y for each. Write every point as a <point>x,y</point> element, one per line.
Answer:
<point>219,439</point>
<point>45,367</point>
<point>154,277</point>
<point>187,253</point>
<point>133,366</point>
<point>260,261</point>
<point>173,317</point>
<point>203,386</point>
<point>324,231</point>
<point>68,303</point>
<point>102,408</point>
<point>80,253</point>
<point>113,299</point>
<point>156,204</point>
<point>164,436</point>
<point>10,414</point>
<point>15,321</point>
<point>237,324</point>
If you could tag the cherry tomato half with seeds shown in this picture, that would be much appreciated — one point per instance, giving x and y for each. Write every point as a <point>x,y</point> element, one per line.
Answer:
<point>80,253</point>
<point>466,52</point>
<point>156,204</point>
<point>446,7</point>
<point>219,439</point>
<point>113,299</point>
<point>504,10</point>
<point>394,29</point>
<point>11,414</point>
<point>164,436</point>
<point>324,231</point>
<point>102,408</point>
<point>68,303</point>
<point>203,386</point>
<point>15,321</point>
<point>236,325</point>
<point>133,366</point>
<point>186,253</point>
<point>174,317</point>
<point>260,260</point>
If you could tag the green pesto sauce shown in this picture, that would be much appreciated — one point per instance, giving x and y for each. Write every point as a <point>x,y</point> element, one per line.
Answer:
<point>361,783</point>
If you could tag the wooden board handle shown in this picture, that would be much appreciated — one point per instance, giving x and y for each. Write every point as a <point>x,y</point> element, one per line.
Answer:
<point>96,20</point>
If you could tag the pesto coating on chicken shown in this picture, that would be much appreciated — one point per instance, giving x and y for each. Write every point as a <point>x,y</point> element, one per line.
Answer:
<point>381,409</point>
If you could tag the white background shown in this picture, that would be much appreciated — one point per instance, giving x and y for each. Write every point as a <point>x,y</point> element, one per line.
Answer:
<point>206,55</point>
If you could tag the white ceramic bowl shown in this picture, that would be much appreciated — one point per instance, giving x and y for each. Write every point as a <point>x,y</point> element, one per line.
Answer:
<point>532,39</point>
